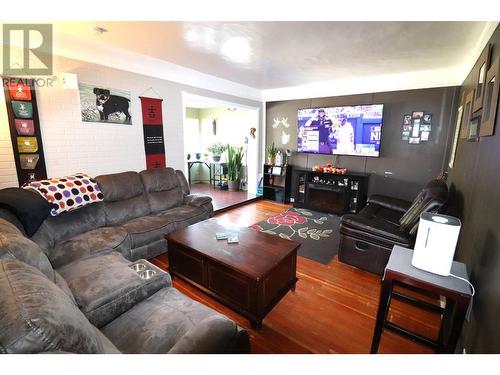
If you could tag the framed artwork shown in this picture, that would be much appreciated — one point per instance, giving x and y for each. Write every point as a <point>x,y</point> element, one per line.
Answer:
<point>100,104</point>
<point>469,99</point>
<point>414,141</point>
<point>451,163</point>
<point>276,171</point>
<point>490,105</point>
<point>416,127</point>
<point>473,135</point>
<point>482,66</point>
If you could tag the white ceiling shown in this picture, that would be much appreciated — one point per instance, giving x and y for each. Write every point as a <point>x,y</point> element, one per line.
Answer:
<point>293,54</point>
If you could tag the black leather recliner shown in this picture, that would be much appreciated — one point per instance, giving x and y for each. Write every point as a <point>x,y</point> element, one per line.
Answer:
<point>367,238</point>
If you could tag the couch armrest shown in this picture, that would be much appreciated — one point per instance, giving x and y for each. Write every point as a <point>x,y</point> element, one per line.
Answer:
<point>390,203</point>
<point>197,200</point>
<point>213,335</point>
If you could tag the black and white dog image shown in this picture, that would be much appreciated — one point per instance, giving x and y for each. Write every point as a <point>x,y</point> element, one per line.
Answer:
<point>107,104</point>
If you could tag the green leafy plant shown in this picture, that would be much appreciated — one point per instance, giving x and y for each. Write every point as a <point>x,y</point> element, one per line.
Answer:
<point>234,162</point>
<point>217,148</point>
<point>272,151</point>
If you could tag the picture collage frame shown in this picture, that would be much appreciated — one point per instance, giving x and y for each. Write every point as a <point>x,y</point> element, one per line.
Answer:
<point>416,127</point>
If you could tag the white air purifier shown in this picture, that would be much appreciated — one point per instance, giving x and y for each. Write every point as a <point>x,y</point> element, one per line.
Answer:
<point>436,241</point>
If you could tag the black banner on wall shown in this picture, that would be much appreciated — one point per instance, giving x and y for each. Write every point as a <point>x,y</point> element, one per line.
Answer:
<point>24,125</point>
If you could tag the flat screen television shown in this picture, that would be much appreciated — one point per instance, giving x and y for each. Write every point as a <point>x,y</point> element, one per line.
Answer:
<point>351,130</point>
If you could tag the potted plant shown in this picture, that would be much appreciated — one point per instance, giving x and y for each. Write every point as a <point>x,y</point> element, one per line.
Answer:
<point>216,149</point>
<point>234,167</point>
<point>271,154</point>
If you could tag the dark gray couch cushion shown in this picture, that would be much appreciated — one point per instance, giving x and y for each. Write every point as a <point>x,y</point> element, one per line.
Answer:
<point>11,218</point>
<point>13,245</point>
<point>183,182</point>
<point>147,229</point>
<point>98,241</point>
<point>163,188</point>
<point>149,251</point>
<point>37,316</point>
<point>168,321</point>
<point>59,228</point>
<point>105,286</point>
<point>185,215</point>
<point>123,211</point>
<point>124,197</point>
<point>63,285</point>
<point>120,186</point>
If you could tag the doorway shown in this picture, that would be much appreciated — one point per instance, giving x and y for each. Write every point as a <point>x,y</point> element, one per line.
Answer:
<point>209,122</point>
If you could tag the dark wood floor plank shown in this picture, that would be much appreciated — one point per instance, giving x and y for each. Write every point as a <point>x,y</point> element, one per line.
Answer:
<point>333,309</point>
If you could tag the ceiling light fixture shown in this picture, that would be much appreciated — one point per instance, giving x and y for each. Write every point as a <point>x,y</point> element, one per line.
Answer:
<point>237,49</point>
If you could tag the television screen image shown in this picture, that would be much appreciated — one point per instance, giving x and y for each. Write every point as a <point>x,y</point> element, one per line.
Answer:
<point>350,130</point>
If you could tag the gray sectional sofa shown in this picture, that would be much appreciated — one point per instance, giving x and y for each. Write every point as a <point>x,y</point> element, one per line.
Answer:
<point>72,286</point>
<point>137,211</point>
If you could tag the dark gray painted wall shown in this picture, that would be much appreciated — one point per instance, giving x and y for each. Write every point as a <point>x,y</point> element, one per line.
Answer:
<point>476,177</point>
<point>412,166</point>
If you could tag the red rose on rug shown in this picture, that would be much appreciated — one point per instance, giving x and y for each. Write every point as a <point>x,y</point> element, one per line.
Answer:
<point>287,218</point>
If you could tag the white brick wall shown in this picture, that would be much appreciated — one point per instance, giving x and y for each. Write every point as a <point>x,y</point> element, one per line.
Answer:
<point>71,145</point>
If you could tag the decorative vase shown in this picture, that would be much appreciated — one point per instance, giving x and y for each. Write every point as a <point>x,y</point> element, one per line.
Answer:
<point>216,158</point>
<point>188,156</point>
<point>233,185</point>
<point>271,160</point>
<point>198,155</point>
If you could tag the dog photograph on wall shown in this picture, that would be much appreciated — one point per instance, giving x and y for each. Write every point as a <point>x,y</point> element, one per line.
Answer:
<point>102,104</point>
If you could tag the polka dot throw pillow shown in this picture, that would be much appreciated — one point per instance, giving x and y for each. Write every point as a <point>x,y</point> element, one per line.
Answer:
<point>67,193</point>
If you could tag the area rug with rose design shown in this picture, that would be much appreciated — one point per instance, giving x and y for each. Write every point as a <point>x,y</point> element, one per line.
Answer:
<point>318,233</point>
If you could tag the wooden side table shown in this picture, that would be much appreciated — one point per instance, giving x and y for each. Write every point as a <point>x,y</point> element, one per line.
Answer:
<point>399,271</point>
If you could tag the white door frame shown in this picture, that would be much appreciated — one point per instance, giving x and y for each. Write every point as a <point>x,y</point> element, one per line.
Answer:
<point>253,176</point>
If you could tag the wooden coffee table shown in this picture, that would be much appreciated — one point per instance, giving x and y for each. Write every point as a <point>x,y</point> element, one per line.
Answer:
<point>250,277</point>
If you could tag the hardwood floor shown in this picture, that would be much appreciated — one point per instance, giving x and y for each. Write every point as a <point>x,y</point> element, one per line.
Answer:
<point>222,199</point>
<point>332,310</point>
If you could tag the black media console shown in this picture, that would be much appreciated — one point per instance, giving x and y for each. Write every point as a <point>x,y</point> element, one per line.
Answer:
<point>332,193</point>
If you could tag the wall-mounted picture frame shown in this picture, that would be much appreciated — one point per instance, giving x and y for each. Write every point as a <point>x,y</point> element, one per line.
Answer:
<point>490,106</point>
<point>276,171</point>
<point>468,103</point>
<point>104,104</point>
<point>473,135</point>
<point>453,152</point>
<point>481,68</point>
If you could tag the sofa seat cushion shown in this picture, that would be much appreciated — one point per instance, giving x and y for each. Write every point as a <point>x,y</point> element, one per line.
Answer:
<point>37,316</point>
<point>105,286</point>
<point>147,229</point>
<point>184,215</point>
<point>376,230</point>
<point>97,241</point>
<point>375,211</point>
<point>170,321</point>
